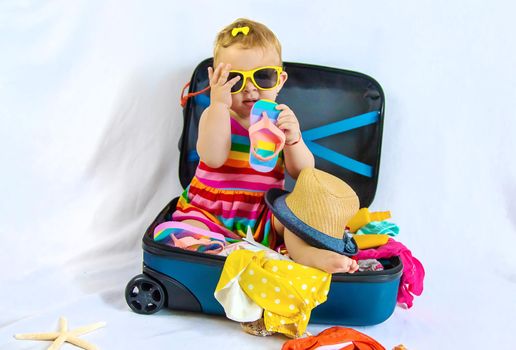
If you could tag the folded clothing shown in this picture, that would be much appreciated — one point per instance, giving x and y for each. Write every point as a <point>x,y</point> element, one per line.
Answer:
<point>369,265</point>
<point>370,241</point>
<point>379,227</point>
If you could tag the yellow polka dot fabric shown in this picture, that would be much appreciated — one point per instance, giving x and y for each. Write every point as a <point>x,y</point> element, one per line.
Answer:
<point>287,291</point>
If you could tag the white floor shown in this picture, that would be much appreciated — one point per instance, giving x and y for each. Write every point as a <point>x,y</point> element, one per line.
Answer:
<point>89,123</point>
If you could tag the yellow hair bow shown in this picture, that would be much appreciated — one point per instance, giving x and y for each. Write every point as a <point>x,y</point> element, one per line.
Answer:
<point>243,30</point>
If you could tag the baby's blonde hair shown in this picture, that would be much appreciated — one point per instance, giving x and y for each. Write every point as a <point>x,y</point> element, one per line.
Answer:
<point>259,36</point>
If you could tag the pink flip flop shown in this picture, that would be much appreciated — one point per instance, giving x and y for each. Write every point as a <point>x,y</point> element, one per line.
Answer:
<point>266,139</point>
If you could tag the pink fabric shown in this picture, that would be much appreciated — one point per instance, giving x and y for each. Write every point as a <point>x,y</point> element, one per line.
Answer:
<point>221,177</point>
<point>413,271</point>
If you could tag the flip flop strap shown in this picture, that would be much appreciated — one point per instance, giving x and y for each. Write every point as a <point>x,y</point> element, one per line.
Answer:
<point>189,242</point>
<point>265,123</point>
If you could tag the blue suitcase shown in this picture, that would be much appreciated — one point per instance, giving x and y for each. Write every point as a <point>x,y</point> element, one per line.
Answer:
<point>341,115</point>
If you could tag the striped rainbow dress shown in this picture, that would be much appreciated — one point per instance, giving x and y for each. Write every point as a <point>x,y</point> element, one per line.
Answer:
<point>231,198</point>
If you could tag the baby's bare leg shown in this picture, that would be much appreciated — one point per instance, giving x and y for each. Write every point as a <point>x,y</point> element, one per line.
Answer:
<point>322,259</point>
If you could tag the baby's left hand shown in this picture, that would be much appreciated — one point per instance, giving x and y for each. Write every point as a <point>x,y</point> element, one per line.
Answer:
<point>288,123</point>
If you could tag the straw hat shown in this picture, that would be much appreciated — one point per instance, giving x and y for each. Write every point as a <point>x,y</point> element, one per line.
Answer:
<point>317,210</point>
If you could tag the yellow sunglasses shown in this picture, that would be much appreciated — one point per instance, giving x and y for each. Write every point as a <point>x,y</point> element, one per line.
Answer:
<point>264,78</point>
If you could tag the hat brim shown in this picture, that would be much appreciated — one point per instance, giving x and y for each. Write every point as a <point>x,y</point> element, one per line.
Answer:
<point>275,200</point>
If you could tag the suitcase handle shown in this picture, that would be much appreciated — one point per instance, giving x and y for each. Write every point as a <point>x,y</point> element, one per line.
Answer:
<point>183,99</point>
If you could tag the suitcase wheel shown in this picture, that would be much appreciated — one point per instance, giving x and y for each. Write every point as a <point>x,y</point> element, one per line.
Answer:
<point>144,295</point>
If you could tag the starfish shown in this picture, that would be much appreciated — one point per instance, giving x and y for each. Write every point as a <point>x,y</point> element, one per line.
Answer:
<point>64,335</point>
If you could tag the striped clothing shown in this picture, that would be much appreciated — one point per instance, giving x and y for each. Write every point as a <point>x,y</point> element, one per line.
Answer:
<point>231,198</point>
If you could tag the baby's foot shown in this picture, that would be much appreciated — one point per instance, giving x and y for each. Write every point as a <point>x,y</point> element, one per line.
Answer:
<point>322,259</point>
<point>332,262</point>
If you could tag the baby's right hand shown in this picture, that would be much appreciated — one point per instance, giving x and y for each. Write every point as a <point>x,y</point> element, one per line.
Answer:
<point>220,87</point>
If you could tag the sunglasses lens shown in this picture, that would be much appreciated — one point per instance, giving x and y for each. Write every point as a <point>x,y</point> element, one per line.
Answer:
<point>239,83</point>
<point>266,78</point>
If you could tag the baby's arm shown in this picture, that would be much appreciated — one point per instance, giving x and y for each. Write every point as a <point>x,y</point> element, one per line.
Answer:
<point>297,155</point>
<point>214,139</point>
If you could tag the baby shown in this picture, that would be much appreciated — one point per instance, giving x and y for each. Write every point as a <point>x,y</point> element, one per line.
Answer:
<point>226,194</point>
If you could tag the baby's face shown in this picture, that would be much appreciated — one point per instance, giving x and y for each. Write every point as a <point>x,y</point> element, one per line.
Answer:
<point>248,59</point>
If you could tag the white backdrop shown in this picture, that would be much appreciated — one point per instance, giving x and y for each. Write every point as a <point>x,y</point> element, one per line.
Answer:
<point>89,124</point>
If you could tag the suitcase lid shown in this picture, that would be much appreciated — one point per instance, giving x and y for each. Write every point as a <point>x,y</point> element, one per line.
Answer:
<point>341,117</point>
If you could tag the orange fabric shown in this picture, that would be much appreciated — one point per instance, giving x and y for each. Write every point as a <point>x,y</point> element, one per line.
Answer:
<point>334,335</point>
